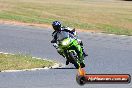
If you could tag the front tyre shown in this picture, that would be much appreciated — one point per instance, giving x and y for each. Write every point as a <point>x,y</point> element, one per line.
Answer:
<point>74,60</point>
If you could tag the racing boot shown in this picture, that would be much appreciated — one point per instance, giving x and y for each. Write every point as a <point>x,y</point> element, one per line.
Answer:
<point>84,54</point>
<point>81,44</point>
<point>82,64</point>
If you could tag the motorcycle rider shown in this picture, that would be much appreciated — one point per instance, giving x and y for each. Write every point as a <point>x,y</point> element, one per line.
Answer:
<point>58,27</point>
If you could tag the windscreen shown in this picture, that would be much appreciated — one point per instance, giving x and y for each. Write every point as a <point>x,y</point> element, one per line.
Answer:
<point>62,35</point>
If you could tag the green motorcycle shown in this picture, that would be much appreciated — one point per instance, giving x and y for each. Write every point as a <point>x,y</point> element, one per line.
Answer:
<point>71,49</point>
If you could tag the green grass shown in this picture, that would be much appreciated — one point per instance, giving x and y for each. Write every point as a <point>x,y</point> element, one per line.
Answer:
<point>19,62</point>
<point>115,30</point>
<point>112,16</point>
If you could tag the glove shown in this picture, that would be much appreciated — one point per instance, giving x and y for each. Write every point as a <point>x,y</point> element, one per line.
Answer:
<point>53,41</point>
<point>55,45</point>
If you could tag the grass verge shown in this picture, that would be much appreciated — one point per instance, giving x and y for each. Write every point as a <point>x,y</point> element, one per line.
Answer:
<point>19,62</point>
<point>109,16</point>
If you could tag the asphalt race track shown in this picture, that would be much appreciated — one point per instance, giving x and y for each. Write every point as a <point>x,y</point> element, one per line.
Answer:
<point>107,54</point>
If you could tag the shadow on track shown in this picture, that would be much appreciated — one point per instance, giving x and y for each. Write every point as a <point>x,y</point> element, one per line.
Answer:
<point>65,68</point>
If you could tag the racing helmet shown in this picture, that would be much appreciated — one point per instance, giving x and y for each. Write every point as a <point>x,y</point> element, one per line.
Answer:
<point>56,25</point>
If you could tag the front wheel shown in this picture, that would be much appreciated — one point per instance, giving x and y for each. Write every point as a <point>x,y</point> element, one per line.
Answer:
<point>74,58</point>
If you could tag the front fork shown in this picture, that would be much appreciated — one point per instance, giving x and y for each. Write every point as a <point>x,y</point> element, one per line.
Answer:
<point>78,50</point>
<point>79,55</point>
